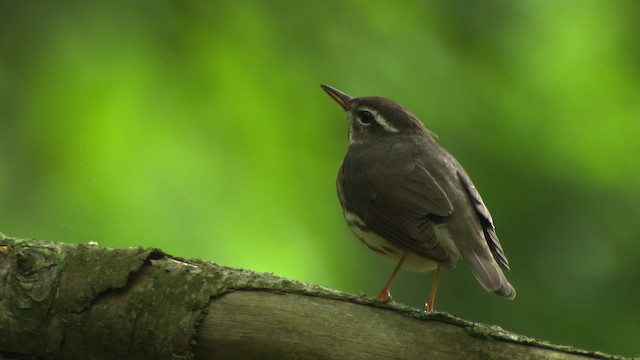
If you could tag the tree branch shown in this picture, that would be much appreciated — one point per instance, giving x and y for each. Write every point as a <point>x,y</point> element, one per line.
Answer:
<point>84,301</point>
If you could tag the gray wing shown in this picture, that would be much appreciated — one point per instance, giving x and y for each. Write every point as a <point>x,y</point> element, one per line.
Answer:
<point>480,261</point>
<point>486,221</point>
<point>404,210</point>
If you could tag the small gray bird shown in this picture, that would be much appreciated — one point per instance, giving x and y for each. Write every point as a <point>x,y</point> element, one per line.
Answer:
<point>407,199</point>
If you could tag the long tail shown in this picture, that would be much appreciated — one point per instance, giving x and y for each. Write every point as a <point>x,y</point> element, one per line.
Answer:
<point>489,275</point>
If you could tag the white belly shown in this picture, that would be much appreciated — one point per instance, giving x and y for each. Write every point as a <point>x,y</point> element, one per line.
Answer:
<point>392,253</point>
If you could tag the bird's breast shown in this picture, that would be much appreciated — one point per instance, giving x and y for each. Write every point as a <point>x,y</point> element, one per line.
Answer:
<point>387,250</point>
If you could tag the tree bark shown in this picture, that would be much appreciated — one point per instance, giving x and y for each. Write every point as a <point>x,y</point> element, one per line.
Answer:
<point>65,301</point>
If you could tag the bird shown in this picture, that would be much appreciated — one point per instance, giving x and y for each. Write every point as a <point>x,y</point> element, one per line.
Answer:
<point>410,201</point>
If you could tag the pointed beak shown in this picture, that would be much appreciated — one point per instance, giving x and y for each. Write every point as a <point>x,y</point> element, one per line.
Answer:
<point>341,98</point>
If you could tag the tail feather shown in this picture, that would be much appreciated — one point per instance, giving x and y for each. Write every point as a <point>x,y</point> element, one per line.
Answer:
<point>490,275</point>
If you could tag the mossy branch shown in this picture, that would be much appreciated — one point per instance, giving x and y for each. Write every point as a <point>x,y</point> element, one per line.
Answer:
<point>67,301</point>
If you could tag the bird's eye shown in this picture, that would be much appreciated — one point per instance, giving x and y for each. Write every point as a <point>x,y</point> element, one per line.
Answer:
<point>366,117</point>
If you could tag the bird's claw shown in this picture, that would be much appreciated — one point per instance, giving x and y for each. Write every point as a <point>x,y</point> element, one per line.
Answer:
<point>384,295</point>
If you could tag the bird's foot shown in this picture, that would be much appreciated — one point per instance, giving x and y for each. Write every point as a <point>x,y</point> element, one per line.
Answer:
<point>384,295</point>
<point>428,307</point>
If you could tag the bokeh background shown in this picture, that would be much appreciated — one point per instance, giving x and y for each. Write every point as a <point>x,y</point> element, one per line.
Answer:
<point>200,128</point>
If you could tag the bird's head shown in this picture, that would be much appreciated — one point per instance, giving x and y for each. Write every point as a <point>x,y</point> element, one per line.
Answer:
<point>372,118</point>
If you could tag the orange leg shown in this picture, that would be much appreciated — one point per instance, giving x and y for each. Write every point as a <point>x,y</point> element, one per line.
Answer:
<point>385,293</point>
<point>432,297</point>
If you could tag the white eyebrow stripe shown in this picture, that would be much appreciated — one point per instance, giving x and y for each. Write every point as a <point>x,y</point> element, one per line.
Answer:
<point>380,120</point>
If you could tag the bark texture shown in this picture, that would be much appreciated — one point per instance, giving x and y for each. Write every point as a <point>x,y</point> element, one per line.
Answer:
<point>64,301</point>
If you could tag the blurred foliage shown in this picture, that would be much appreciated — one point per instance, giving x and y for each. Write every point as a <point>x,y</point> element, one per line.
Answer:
<point>199,128</point>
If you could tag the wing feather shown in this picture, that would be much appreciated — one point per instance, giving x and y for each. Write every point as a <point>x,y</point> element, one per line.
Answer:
<point>404,211</point>
<point>485,220</point>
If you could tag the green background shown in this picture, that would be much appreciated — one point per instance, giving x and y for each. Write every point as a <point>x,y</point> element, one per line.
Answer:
<point>199,128</point>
